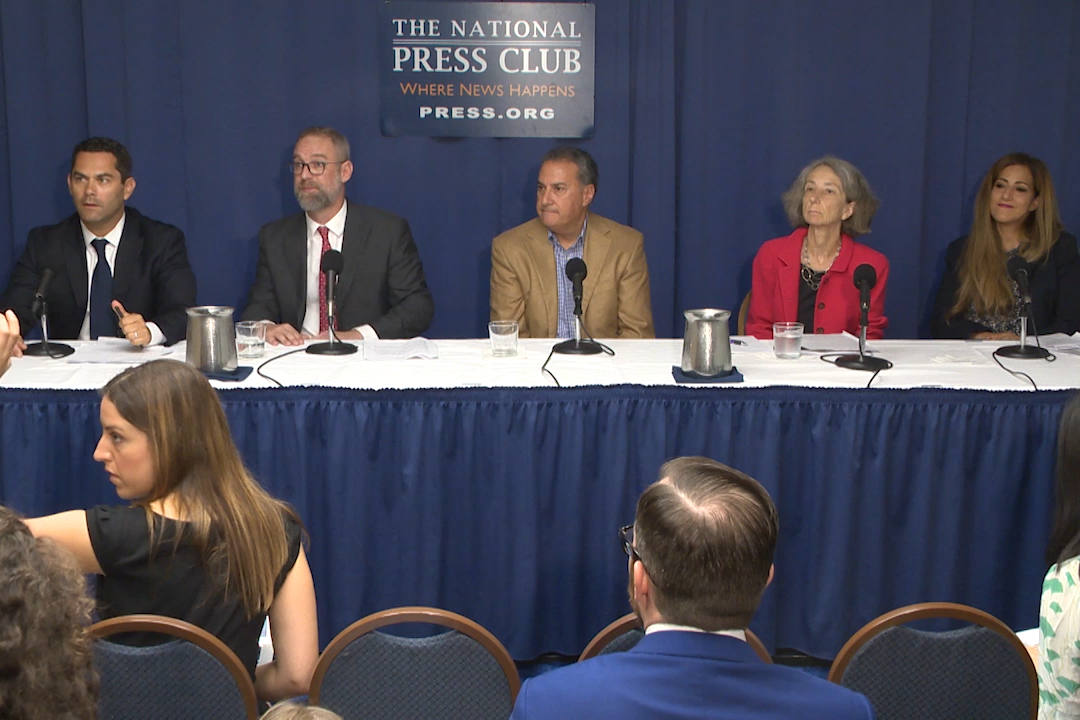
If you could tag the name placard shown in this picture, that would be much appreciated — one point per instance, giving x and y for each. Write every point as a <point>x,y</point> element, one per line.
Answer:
<point>487,69</point>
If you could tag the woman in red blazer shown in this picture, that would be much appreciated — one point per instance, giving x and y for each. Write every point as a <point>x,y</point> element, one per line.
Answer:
<point>807,275</point>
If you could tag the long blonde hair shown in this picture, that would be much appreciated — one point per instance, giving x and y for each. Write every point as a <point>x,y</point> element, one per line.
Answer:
<point>984,283</point>
<point>237,527</point>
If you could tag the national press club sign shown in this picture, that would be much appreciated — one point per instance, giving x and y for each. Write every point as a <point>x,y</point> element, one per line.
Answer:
<point>487,69</point>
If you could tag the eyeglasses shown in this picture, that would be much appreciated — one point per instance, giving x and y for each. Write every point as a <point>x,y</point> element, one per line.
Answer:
<point>628,547</point>
<point>631,551</point>
<point>315,167</point>
<point>627,542</point>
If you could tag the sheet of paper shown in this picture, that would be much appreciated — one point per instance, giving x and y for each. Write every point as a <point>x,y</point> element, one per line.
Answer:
<point>418,347</point>
<point>840,342</point>
<point>116,351</point>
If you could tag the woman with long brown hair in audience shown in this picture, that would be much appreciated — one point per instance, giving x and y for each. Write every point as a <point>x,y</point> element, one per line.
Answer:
<point>1059,611</point>
<point>46,671</point>
<point>1016,214</point>
<point>200,540</point>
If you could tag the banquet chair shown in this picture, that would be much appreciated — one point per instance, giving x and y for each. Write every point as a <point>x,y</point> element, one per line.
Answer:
<point>461,673</point>
<point>626,632</point>
<point>981,670</point>
<point>195,675</point>
<point>740,324</point>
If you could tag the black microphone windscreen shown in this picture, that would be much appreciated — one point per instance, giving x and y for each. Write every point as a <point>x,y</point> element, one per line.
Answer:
<point>865,274</point>
<point>1017,264</point>
<point>332,261</point>
<point>576,266</point>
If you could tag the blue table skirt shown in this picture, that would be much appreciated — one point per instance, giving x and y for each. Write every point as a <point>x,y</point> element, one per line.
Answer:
<point>503,504</point>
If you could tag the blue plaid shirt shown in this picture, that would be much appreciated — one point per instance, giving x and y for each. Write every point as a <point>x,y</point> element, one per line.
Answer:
<point>566,288</point>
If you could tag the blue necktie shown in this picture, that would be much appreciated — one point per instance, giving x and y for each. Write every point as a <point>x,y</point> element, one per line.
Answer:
<point>102,319</point>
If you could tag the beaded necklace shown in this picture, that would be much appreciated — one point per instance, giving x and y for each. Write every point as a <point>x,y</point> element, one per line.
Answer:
<point>813,277</point>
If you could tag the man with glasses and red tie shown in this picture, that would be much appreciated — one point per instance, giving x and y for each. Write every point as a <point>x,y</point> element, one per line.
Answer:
<point>700,554</point>
<point>381,291</point>
<point>115,272</point>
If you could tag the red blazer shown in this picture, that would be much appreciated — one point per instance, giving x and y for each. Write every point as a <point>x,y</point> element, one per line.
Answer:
<point>775,289</point>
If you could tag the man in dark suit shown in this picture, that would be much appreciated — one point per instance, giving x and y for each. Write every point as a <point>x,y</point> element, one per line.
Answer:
<point>381,291</point>
<point>108,260</point>
<point>700,556</point>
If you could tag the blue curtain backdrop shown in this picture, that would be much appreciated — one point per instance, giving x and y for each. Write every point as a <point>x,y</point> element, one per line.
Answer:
<point>705,111</point>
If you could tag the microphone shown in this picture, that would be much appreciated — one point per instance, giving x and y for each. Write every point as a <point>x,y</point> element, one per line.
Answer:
<point>39,294</point>
<point>865,278</point>
<point>1019,270</point>
<point>331,265</point>
<point>39,310</point>
<point>576,272</point>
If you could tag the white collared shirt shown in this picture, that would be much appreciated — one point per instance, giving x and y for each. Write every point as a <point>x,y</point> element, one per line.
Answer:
<point>668,627</point>
<point>336,226</point>
<point>112,244</point>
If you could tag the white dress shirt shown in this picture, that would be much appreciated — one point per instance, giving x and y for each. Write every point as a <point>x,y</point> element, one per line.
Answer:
<point>112,244</point>
<point>336,226</point>
<point>667,627</point>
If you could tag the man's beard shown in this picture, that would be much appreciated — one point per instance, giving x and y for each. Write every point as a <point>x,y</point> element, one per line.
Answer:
<point>312,199</point>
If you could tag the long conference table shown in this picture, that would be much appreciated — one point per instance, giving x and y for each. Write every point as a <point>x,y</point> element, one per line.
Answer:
<point>474,484</point>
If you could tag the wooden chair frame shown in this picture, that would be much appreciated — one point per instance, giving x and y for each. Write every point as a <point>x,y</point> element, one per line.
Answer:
<point>933,610</point>
<point>416,614</point>
<point>740,324</point>
<point>631,622</point>
<point>192,634</point>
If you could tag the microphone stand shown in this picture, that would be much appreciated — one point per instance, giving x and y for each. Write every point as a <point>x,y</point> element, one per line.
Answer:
<point>862,361</point>
<point>1023,350</point>
<point>45,348</point>
<point>334,346</point>
<point>577,346</point>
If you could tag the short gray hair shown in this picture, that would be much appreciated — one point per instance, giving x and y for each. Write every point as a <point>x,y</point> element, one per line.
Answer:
<point>341,143</point>
<point>588,171</point>
<point>856,190</point>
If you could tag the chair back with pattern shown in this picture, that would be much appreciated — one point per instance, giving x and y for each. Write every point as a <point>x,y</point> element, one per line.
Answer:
<point>978,671</point>
<point>194,676</point>
<point>626,632</point>
<point>462,673</point>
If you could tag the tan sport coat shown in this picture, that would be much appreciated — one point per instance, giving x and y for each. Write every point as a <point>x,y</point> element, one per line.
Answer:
<point>615,302</point>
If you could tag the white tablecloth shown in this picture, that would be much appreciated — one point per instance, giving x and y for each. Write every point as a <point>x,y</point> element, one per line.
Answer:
<point>468,363</point>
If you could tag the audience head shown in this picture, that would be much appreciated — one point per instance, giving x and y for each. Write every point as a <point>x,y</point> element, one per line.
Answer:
<point>289,710</point>
<point>100,182</point>
<point>564,189</point>
<point>817,182</point>
<point>321,167</point>
<point>702,548</point>
<point>165,439</point>
<point>1065,535</point>
<point>46,669</point>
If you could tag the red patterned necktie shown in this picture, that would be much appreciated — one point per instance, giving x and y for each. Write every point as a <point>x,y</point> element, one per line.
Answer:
<point>325,233</point>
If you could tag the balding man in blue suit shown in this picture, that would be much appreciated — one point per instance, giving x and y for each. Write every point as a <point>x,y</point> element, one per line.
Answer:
<point>700,556</point>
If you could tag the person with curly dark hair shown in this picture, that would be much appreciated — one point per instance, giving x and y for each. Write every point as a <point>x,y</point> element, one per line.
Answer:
<point>46,668</point>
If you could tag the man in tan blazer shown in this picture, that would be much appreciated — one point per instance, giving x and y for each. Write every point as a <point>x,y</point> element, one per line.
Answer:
<point>528,262</point>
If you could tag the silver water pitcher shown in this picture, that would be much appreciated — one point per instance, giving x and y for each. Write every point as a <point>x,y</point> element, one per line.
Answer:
<point>211,338</point>
<point>706,346</point>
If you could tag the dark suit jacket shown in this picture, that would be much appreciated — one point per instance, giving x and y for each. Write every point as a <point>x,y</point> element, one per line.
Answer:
<point>151,276</point>
<point>676,674</point>
<point>382,282</point>
<point>615,299</point>
<point>1054,286</point>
